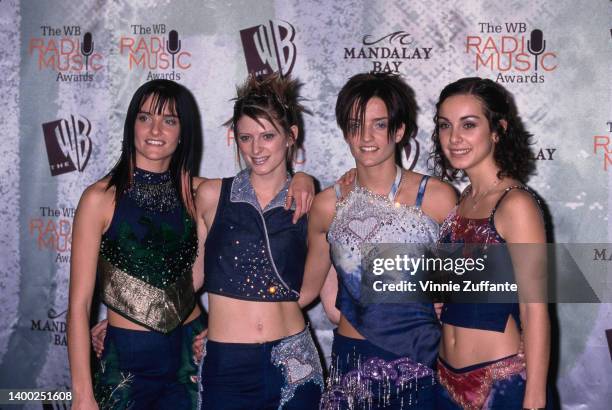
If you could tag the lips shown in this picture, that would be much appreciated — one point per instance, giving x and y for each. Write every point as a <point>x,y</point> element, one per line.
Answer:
<point>457,152</point>
<point>157,143</point>
<point>259,160</point>
<point>368,149</point>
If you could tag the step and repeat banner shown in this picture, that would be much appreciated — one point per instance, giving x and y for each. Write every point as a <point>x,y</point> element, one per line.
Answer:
<point>69,69</point>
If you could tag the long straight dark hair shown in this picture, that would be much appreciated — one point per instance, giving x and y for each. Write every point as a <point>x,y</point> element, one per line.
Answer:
<point>180,101</point>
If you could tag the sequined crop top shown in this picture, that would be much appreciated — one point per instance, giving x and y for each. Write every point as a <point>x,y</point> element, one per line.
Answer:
<point>406,329</point>
<point>147,253</point>
<point>252,253</point>
<point>483,316</point>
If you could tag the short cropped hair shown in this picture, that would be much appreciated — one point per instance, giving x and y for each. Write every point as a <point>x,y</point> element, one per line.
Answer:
<point>391,89</point>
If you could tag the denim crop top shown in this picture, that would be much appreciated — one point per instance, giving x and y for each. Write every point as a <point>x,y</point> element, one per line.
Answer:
<point>405,329</point>
<point>483,316</point>
<point>250,253</point>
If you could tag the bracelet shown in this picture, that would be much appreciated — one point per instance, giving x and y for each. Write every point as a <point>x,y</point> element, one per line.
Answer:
<point>534,408</point>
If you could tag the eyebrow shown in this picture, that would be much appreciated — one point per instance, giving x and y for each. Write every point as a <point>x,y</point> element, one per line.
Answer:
<point>465,117</point>
<point>373,119</point>
<point>163,115</point>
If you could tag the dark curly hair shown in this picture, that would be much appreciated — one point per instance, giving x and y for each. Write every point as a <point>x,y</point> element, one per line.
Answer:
<point>512,152</point>
<point>396,94</point>
<point>274,98</point>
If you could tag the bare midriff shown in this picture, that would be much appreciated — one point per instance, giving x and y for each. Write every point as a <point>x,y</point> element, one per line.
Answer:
<point>116,320</point>
<point>462,347</point>
<point>242,321</point>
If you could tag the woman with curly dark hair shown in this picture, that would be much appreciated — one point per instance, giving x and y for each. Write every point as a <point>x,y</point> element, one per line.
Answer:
<point>492,355</point>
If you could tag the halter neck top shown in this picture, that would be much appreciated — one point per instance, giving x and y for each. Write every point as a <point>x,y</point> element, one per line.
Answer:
<point>147,253</point>
<point>405,329</point>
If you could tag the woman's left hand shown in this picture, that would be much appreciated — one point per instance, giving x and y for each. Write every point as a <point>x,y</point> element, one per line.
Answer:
<point>302,191</point>
<point>438,308</point>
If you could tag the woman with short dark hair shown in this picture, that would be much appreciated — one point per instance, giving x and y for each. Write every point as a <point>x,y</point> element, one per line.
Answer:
<point>383,353</point>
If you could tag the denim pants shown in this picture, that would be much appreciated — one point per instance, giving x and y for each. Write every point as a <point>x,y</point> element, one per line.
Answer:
<point>364,376</point>
<point>148,369</point>
<point>282,374</point>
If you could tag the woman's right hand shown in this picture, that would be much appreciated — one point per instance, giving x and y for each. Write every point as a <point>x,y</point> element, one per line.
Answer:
<point>81,403</point>
<point>198,345</point>
<point>98,333</point>
<point>348,178</point>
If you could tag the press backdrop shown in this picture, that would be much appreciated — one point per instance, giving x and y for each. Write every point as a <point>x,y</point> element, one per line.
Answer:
<point>68,70</point>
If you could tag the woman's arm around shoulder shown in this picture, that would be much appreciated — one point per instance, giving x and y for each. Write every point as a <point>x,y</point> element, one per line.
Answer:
<point>301,191</point>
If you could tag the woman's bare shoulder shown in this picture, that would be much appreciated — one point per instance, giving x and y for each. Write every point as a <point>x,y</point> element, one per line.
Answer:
<point>208,190</point>
<point>98,194</point>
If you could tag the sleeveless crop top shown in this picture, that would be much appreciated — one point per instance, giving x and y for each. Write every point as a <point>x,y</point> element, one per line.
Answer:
<point>147,253</point>
<point>484,316</point>
<point>254,254</point>
<point>405,329</point>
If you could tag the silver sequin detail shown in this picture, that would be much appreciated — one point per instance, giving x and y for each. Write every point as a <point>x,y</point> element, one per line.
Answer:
<point>154,192</point>
<point>256,259</point>
<point>354,389</point>
<point>298,358</point>
<point>364,217</point>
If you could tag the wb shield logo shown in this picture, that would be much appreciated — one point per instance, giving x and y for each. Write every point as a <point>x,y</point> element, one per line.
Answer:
<point>269,48</point>
<point>68,144</point>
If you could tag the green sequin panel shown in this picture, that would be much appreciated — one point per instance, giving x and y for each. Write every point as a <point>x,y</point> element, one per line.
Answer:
<point>160,258</point>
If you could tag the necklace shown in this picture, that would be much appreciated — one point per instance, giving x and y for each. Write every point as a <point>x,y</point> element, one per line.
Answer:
<point>477,200</point>
<point>394,188</point>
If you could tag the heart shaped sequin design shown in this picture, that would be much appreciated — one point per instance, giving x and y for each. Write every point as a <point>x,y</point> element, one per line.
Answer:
<point>297,370</point>
<point>363,228</point>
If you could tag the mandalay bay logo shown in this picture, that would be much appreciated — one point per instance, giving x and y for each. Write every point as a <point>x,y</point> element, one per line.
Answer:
<point>389,52</point>
<point>68,144</point>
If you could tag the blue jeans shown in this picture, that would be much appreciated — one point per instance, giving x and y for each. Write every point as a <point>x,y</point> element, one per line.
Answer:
<point>148,369</point>
<point>364,376</point>
<point>282,374</point>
